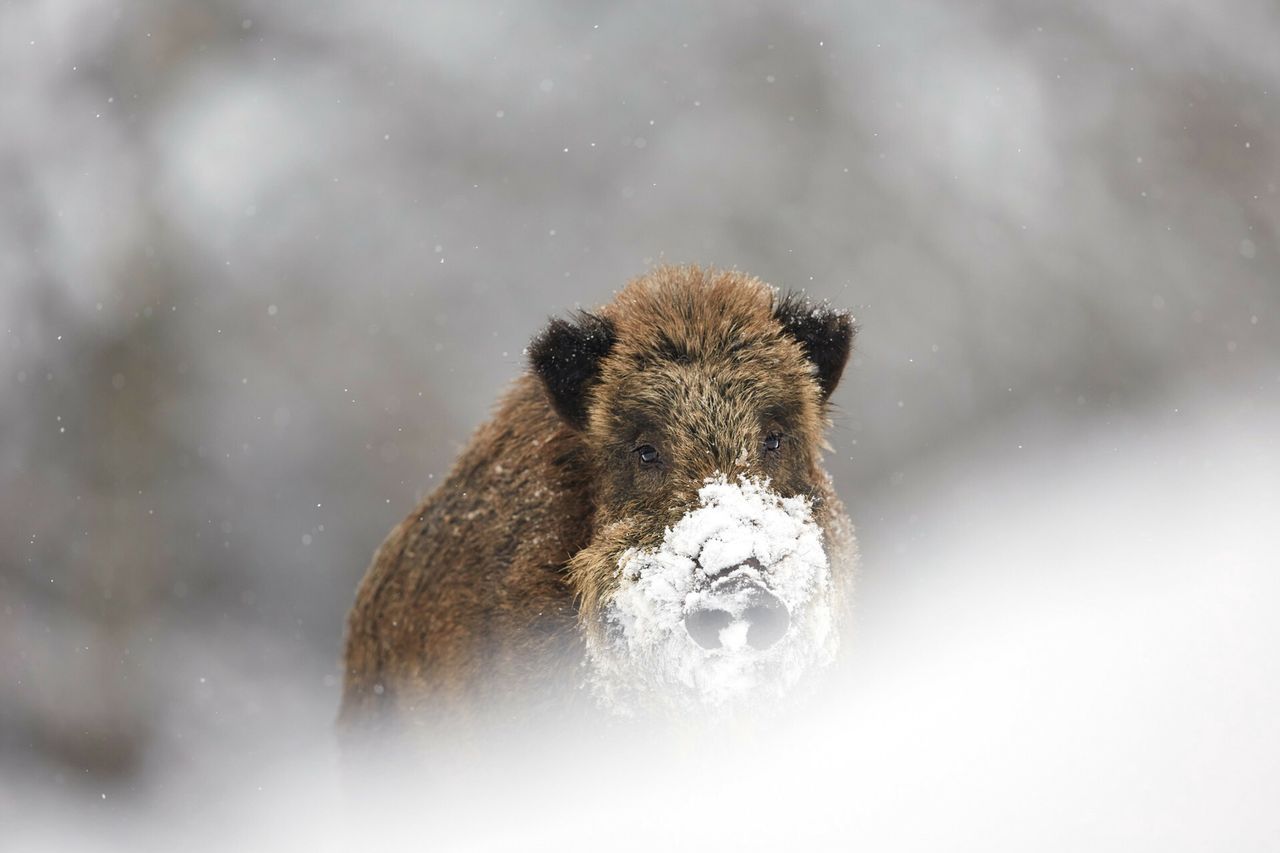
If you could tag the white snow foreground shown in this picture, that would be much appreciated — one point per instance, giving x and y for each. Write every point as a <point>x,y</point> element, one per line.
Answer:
<point>742,538</point>
<point>1067,650</point>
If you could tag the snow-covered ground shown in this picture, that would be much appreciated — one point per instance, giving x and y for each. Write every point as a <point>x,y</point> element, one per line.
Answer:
<point>1065,641</point>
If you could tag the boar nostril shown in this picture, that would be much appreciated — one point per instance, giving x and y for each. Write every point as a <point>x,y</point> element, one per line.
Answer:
<point>768,619</point>
<point>705,626</point>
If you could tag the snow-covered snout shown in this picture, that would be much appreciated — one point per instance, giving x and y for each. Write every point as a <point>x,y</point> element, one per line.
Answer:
<point>735,602</point>
<point>738,608</point>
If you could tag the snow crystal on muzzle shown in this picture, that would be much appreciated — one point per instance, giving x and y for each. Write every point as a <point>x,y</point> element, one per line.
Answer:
<point>744,544</point>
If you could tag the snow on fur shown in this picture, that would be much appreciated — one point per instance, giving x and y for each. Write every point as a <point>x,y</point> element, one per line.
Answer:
<point>648,657</point>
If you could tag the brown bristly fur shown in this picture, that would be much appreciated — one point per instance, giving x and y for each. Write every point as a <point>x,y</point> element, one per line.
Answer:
<point>481,597</point>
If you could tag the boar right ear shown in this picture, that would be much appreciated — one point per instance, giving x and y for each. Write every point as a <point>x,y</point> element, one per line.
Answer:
<point>567,356</point>
<point>825,335</point>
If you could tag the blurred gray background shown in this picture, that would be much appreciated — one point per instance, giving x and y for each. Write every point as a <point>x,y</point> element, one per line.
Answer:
<point>265,265</point>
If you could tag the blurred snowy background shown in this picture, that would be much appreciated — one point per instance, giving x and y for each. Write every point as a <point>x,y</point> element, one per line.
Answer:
<point>264,266</point>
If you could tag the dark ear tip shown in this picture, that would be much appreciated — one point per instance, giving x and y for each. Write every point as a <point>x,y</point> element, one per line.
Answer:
<point>566,356</point>
<point>543,346</point>
<point>825,333</point>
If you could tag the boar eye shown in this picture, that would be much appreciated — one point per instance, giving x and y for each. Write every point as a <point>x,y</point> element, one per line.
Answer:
<point>648,454</point>
<point>773,441</point>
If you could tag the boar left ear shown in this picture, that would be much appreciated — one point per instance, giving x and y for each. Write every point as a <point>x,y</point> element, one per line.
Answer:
<point>825,335</point>
<point>567,356</point>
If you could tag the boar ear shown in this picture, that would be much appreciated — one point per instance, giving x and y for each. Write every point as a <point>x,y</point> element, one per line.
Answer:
<point>825,334</point>
<point>567,356</point>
